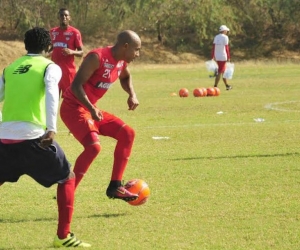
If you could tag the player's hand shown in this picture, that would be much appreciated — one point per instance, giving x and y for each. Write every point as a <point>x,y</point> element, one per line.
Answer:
<point>132,102</point>
<point>67,52</point>
<point>47,139</point>
<point>96,114</point>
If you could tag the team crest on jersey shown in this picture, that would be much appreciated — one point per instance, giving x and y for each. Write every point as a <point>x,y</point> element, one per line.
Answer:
<point>120,64</point>
<point>54,34</point>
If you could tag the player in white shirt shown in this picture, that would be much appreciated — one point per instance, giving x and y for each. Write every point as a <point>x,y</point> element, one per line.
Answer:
<point>221,54</point>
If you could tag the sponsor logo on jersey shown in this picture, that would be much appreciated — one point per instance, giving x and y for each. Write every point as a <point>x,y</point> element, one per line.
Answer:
<point>22,69</point>
<point>103,85</point>
<point>108,65</point>
<point>60,45</point>
<point>68,33</point>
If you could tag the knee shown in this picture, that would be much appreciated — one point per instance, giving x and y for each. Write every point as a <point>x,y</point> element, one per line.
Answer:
<point>71,175</point>
<point>126,134</point>
<point>93,149</point>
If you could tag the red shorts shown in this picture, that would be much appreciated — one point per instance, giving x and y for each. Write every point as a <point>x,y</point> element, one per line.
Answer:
<point>66,79</point>
<point>80,122</point>
<point>222,66</point>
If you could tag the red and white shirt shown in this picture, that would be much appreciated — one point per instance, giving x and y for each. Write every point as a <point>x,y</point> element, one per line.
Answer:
<point>69,38</point>
<point>102,79</point>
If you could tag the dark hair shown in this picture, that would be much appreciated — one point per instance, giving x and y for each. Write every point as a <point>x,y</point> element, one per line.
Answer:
<point>63,9</point>
<point>37,40</point>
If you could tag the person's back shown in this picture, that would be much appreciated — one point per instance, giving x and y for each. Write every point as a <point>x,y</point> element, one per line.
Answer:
<point>221,53</point>
<point>29,89</point>
<point>220,42</point>
<point>29,69</point>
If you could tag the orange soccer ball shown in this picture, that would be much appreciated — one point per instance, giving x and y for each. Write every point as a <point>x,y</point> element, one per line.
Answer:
<point>140,187</point>
<point>211,91</point>
<point>198,92</point>
<point>204,90</point>
<point>217,91</point>
<point>183,92</point>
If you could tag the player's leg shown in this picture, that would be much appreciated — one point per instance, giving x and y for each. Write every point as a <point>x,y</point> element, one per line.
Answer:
<point>218,76</point>
<point>228,87</point>
<point>65,204</point>
<point>217,79</point>
<point>114,127</point>
<point>92,148</point>
<point>48,166</point>
<point>10,170</point>
<point>81,125</point>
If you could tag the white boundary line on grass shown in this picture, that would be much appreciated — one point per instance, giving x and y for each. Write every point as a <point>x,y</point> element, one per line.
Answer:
<point>207,125</point>
<point>273,106</point>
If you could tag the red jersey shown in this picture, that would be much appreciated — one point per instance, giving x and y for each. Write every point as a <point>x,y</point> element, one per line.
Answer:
<point>69,38</point>
<point>102,79</point>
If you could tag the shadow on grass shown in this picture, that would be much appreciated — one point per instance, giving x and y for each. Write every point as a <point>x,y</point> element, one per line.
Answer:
<point>107,215</point>
<point>237,156</point>
<point>55,219</point>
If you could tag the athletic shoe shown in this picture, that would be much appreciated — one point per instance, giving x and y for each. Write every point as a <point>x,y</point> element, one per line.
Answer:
<point>228,87</point>
<point>70,241</point>
<point>121,193</point>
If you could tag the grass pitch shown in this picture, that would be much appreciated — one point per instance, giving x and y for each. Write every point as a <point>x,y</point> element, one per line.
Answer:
<point>219,179</point>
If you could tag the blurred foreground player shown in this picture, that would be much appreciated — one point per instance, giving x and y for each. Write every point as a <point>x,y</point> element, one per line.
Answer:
<point>29,89</point>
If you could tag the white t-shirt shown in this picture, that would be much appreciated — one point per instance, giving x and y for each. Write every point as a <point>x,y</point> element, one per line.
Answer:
<point>220,42</point>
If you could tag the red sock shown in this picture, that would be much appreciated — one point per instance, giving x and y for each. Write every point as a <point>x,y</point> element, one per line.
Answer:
<point>84,161</point>
<point>65,203</point>
<point>122,152</point>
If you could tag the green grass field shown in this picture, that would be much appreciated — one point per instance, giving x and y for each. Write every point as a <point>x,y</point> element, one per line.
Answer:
<point>219,182</point>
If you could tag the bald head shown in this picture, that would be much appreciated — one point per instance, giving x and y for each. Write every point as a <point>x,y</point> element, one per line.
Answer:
<point>128,36</point>
<point>128,46</point>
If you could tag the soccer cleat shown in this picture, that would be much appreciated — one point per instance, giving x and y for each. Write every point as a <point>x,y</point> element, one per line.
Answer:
<point>228,87</point>
<point>121,193</point>
<point>70,241</point>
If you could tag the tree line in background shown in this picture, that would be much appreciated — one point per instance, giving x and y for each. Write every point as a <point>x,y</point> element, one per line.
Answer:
<point>257,27</point>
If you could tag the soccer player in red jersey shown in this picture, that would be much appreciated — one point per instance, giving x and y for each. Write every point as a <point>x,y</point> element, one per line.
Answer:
<point>99,70</point>
<point>66,44</point>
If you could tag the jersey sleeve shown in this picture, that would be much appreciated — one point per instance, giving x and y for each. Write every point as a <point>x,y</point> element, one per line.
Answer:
<point>78,40</point>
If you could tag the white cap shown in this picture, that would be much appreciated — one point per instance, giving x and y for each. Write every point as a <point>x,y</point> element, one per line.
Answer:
<point>223,28</point>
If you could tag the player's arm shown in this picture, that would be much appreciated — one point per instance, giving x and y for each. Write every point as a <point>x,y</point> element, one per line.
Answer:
<point>213,51</point>
<point>89,65</point>
<point>227,52</point>
<point>69,52</point>
<point>78,52</point>
<point>52,77</point>
<point>126,83</point>
<point>1,88</point>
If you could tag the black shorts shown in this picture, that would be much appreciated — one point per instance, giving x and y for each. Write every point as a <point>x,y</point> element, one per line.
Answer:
<point>45,165</point>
